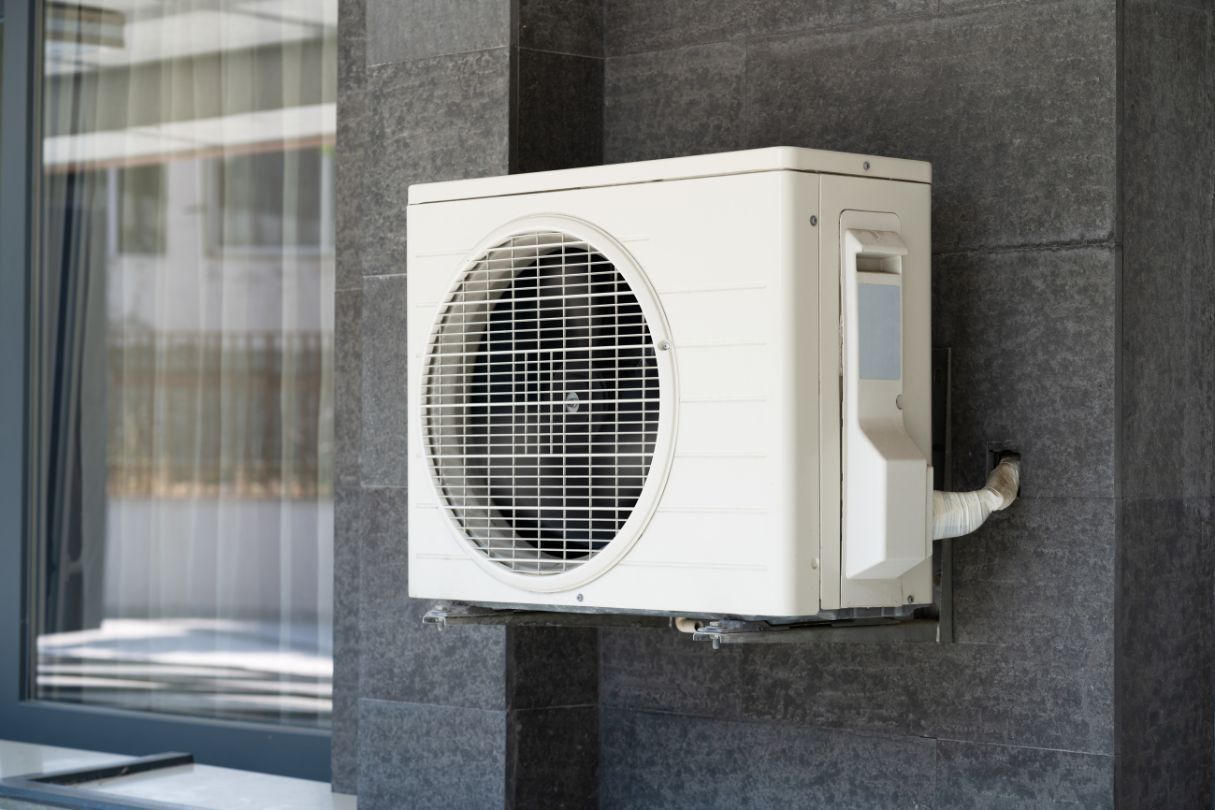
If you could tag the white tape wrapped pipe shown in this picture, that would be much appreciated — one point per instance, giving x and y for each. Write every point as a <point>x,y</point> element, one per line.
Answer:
<point>957,513</point>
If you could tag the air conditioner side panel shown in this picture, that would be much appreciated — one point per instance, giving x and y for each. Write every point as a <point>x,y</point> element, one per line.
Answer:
<point>911,204</point>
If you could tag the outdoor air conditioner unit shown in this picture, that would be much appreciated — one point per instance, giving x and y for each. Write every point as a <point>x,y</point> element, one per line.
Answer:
<point>697,386</point>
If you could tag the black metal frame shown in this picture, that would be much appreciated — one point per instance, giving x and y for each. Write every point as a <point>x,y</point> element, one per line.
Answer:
<point>290,751</point>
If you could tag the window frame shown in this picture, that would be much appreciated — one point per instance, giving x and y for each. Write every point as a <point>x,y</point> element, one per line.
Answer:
<point>286,750</point>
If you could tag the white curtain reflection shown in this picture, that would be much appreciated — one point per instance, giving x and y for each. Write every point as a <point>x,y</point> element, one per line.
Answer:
<point>186,378</point>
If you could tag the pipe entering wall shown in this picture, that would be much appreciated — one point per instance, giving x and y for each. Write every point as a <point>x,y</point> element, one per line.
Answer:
<point>957,513</point>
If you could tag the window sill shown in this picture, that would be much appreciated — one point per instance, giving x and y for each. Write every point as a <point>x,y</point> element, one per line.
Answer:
<point>199,786</point>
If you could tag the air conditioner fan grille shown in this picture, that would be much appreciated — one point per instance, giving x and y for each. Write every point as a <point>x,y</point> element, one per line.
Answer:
<point>541,403</point>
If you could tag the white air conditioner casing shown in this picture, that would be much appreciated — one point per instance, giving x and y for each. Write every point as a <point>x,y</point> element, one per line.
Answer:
<point>697,386</point>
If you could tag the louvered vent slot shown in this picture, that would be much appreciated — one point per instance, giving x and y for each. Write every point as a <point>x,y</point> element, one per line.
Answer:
<point>541,403</point>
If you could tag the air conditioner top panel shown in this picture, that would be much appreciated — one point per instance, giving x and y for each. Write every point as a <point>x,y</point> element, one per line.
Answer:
<point>777,158</point>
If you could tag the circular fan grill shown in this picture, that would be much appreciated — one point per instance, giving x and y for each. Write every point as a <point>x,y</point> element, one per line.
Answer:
<point>541,403</point>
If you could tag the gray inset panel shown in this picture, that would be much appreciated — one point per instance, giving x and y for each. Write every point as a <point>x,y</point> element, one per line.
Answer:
<point>880,331</point>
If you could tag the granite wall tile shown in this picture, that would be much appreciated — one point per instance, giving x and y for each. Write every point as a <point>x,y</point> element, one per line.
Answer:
<point>347,387</point>
<point>384,430</point>
<point>553,757</point>
<point>1040,576</point>
<point>634,26</point>
<point>1020,155</point>
<point>552,666</point>
<point>408,661</point>
<point>1168,309</point>
<point>672,761</point>
<point>1048,687</point>
<point>347,397</point>
<point>1170,766</point>
<point>349,183</point>
<point>562,26</point>
<point>422,756</point>
<point>964,6</point>
<point>348,523</point>
<point>1166,655</point>
<point>558,111</point>
<point>1001,778</point>
<point>344,740</point>
<point>432,119</point>
<point>854,686</point>
<point>1032,339</point>
<point>1008,695</point>
<point>685,101</point>
<point>664,671</point>
<point>1185,5</point>
<point>1165,649</point>
<point>351,47</point>
<point>404,30</point>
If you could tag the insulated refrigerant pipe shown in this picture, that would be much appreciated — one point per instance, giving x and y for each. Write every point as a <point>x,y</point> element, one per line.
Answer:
<point>957,513</point>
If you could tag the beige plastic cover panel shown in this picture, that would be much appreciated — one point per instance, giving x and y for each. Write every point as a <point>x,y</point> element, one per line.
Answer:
<point>887,485</point>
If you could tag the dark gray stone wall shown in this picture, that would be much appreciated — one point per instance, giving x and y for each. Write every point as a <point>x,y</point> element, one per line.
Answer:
<point>1016,106</point>
<point>1166,655</point>
<point>1074,281</point>
<point>483,717</point>
<point>394,683</point>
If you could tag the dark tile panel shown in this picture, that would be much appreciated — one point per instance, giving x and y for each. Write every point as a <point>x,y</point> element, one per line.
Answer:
<point>352,46</point>
<point>1047,687</point>
<point>463,666</point>
<point>1014,106</point>
<point>995,777</point>
<point>349,183</point>
<point>1007,695</point>
<point>633,26</point>
<point>1166,654</point>
<point>552,666</point>
<point>348,418</point>
<point>1168,302</point>
<point>686,101</point>
<point>554,758</point>
<point>648,25</point>
<point>346,638</point>
<point>962,6</point>
<point>435,119</point>
<point>384,443</point>
<point>558,111</point>
<point>1032,334</point>
<point>344,760</point>
<point>562,26</point>
<point>1040,576</point>
<point>662,670</point>
<point>405,30</point>
<point>422,756</point>
<point>1165,5</point>
<point>1171,768</point>
<point>672,761</point>
<point>347,386</point>
<point>862,687</point>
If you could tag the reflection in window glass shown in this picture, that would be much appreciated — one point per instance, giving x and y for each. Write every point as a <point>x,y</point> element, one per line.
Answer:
<point>182,440</point>
<point>141,209</point>
<point>270,201</point>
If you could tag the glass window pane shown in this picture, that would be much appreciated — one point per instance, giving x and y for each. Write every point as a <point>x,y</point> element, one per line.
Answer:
<point>141,209</point>
<point>184,420</point>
